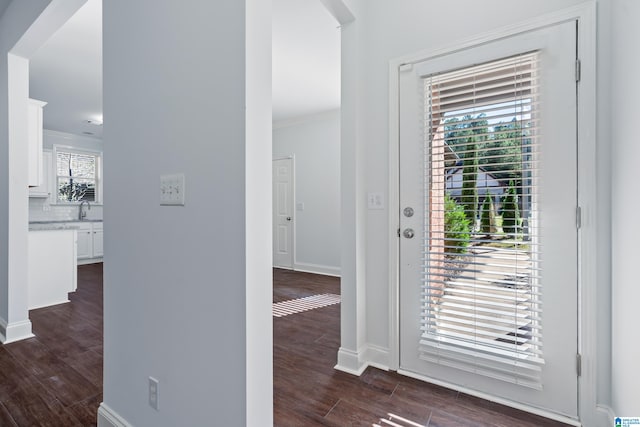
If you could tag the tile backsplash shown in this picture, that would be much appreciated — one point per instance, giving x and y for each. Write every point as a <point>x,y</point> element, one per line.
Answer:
<point>41,210</point>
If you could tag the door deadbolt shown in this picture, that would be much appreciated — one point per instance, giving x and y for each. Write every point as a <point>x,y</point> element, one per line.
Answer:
<point>408,212</point>
<point>408,233</point>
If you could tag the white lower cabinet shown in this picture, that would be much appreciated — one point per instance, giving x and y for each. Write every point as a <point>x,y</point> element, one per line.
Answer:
<point>85,249</point>
<point>90,237</point>
<point>98,234</point>
<point>51,267</point>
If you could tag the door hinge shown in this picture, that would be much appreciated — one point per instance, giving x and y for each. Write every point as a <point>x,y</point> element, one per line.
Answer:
<point>398,231</point>
<point>578,217</point>
<point>578,70</point>
<point>579,364</point>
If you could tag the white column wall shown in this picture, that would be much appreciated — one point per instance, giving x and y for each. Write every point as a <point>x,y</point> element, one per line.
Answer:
<point>625,205</point>
<point>187,290</point>
<point>353,310</point>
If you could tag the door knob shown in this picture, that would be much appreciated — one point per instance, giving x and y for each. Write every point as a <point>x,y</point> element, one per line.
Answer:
<point>408,233</point>
<point>288,218</point>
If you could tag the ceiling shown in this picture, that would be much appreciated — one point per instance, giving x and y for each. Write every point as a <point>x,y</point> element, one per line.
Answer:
<point>306,59</point>
<point>67,71</point>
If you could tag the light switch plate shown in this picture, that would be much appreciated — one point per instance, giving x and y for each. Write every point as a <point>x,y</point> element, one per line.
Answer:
<point>375,201</point>
<point>172,190</point>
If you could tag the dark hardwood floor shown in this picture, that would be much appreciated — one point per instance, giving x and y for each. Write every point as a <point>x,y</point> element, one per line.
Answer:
<point>55,379</point>
<point>309,392</point>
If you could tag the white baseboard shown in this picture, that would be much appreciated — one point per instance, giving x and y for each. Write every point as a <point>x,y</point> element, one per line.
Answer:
<point>107,417</point>
<point>377,357</point>
<point>605,415</point>
<point>355,363</point>
<point>89,261</point>
<point>15,331</point>
<point>350,362</point>
<point>325,270</point>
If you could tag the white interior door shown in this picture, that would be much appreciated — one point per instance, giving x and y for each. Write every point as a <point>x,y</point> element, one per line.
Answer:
<point>498,316</point>
<point>283,213</point>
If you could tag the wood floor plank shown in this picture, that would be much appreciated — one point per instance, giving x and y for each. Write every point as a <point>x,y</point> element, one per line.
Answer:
<point>6,420</point>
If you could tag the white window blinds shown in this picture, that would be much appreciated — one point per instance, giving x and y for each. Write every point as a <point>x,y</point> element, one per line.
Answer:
<point>481,268</point>
<point>76,176</point>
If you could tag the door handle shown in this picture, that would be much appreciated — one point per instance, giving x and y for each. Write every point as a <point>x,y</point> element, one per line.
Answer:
<point>408,233</point>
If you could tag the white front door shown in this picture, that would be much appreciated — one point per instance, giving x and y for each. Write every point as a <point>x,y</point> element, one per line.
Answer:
<point>283,213</point>
<point>488,239</point>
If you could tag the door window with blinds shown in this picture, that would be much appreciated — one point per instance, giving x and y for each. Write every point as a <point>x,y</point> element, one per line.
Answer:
<point>482,256</point>
<point>77,176</point>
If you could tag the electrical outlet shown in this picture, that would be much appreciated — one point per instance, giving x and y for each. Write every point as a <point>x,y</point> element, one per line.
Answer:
<point>153,392</point>
<point>172,190</point>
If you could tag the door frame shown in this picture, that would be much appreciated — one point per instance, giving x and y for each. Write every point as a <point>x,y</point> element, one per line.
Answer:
<point>291,157</point>
<point>585,15</point>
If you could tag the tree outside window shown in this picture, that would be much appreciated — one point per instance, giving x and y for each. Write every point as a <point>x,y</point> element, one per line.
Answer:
<point>76,176</point>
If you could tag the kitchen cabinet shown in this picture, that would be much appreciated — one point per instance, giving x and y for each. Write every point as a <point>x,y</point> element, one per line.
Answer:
<point>34,143</point>
<point>85,240</point>
<point>98,234</point>
<point>90,238</point>
<point>44,190</point>
<point>52,267</point>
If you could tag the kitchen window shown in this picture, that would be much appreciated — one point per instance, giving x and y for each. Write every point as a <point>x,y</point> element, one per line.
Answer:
<point>77,175</point>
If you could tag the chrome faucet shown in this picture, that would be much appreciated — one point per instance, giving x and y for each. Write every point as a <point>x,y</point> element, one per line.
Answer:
<point>83,214</point>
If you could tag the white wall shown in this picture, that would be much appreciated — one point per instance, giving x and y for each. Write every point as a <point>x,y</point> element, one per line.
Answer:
<point>625,66</point>
<point>383,31</point>
<point>187,290</point>
<point>315,143</point>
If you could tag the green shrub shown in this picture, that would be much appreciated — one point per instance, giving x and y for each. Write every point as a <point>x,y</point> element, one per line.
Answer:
<point>510,211</point>
<point>456,227</point>
<point>488,218</point>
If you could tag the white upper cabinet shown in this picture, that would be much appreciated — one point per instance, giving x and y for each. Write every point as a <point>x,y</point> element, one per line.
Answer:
<point>44,189</point>
<point>35,166</point>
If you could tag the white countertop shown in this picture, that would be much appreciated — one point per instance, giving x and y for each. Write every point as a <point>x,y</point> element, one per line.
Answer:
<point>58,225</point>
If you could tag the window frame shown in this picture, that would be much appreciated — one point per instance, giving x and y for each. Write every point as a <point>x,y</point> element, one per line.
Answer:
<point>54,172</point>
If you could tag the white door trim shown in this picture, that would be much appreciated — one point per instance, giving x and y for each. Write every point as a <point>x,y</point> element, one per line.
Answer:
<point>589,411</point>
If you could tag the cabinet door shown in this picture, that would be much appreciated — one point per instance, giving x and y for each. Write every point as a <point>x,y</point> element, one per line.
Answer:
<point>85,249</point>
<point>35,142</point>
<point>43,190</point>
<point>97,242</point>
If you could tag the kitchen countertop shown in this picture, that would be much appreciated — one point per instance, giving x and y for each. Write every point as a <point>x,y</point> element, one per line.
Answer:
<point>58,225</point>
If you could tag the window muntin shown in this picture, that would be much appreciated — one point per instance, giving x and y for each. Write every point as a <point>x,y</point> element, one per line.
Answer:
<point>77,175</point>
